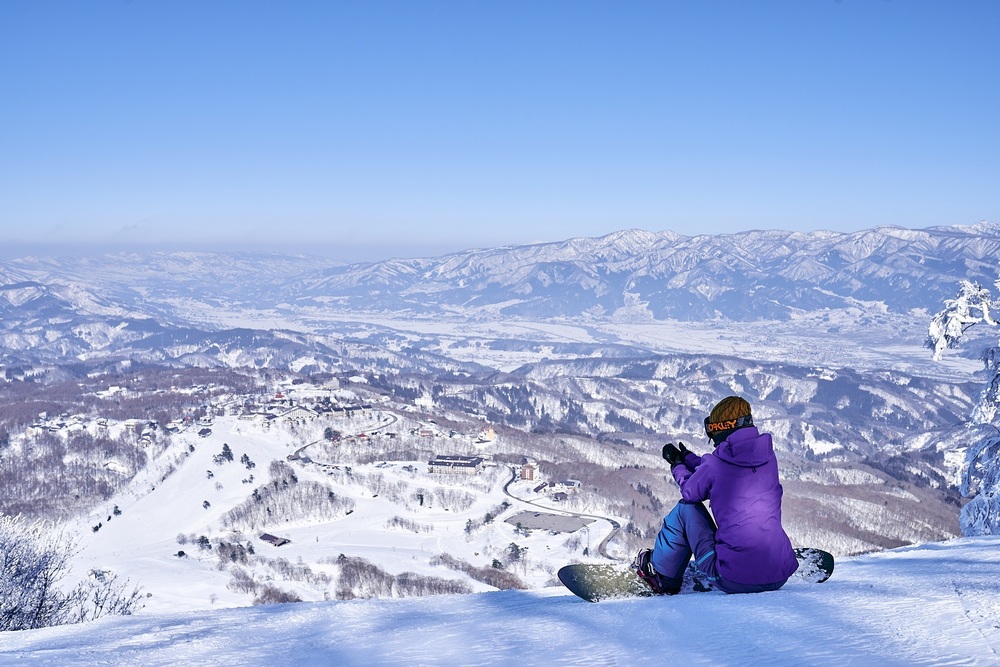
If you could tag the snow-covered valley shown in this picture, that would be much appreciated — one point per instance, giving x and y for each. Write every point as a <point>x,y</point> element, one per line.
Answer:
<point>229,431</point>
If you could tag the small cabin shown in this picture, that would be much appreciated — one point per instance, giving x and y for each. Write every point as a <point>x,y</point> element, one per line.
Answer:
<point>275,540</point>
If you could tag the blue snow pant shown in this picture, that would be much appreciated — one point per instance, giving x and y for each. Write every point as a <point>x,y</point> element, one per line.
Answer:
<point>690,530</point>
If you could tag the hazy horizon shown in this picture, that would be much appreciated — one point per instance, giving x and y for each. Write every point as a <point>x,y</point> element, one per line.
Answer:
<point>347,253</point>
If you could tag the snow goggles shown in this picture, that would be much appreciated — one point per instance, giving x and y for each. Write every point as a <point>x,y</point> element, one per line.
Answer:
<point>727,424</point>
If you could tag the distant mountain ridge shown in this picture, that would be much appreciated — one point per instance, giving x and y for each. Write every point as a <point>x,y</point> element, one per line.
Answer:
<point>53,309</point>
<point>756,275</point>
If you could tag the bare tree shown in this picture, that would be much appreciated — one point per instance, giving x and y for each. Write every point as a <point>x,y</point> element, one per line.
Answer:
<point>34,560</point>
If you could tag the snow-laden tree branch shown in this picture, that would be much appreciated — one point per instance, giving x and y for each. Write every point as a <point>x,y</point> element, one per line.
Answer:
<point>981,474</point>
<point>973,305</point>
<point>34,559</point>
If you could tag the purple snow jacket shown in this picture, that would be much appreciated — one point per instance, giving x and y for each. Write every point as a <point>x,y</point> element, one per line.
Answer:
<point>741,481</point>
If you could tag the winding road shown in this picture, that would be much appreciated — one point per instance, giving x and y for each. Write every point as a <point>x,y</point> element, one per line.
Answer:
<point>297,454</point>
<point>601,548</point>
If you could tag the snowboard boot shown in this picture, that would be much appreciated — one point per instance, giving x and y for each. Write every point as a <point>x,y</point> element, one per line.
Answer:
<point>656,582</point>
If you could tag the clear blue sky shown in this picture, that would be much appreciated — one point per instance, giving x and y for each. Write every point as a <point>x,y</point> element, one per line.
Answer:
<point>416,127</point>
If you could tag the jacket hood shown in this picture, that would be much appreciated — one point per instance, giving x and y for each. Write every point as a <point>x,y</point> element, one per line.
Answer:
<point>746,447</point>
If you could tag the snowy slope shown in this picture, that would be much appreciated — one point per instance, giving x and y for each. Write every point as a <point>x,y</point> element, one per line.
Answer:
<point>935,604</point>
<point>158,507</point>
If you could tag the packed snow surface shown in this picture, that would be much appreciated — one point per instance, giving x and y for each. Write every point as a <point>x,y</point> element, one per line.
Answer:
<point>933,604</point>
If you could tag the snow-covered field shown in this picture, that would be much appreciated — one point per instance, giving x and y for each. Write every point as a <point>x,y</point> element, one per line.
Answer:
<point>934,604</point>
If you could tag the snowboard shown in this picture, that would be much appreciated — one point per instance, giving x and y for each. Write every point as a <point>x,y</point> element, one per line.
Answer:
<point>608,581</point>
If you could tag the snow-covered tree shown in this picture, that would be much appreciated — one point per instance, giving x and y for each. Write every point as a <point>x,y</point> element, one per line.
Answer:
<point>34,560</point>
<point>972,306</point>
<point>981,474</point>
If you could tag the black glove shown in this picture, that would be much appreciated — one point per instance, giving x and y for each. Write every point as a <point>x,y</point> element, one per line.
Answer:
<point>672,455</point>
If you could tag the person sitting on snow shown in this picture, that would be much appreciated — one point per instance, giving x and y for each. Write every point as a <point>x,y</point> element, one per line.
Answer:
<point>745,549</point>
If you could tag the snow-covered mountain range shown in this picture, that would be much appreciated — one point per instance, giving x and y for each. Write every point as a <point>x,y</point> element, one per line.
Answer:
<point>584,355</point>
<point>747,276</point>
<point>755,275</point>
<point>822,330</point>
<point>171,307</point>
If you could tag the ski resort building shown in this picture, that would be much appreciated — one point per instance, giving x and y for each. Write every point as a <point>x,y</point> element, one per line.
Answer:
<point>464,465</point>
<point>298,414</point>
<point>275,540</point>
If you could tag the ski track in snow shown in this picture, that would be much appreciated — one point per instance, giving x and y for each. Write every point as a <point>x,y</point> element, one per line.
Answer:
<point>934,604</point>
